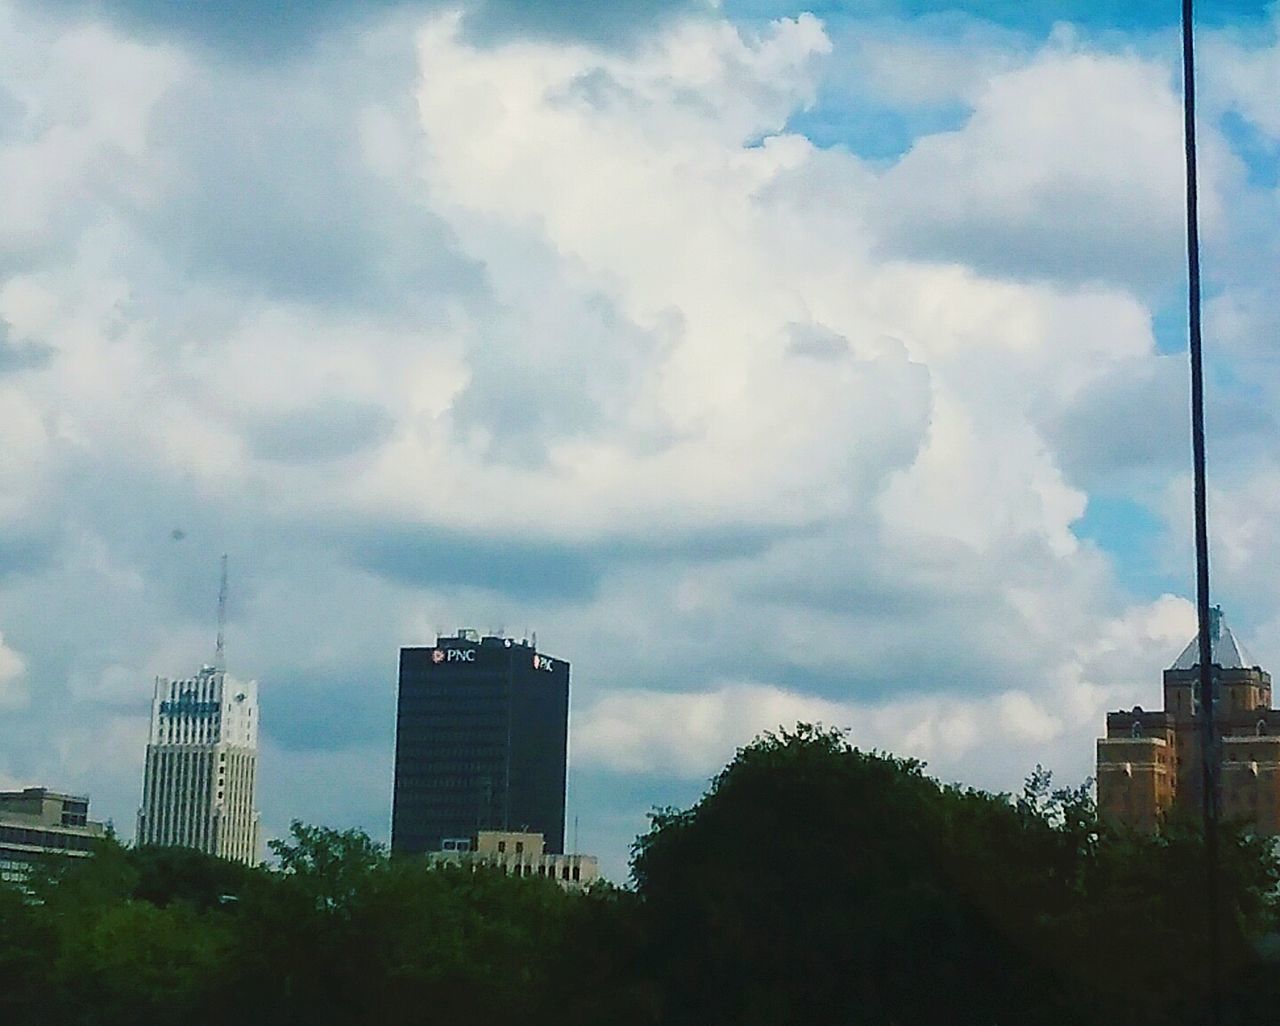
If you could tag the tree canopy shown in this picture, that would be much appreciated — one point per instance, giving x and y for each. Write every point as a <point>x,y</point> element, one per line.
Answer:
<point>812,882</point>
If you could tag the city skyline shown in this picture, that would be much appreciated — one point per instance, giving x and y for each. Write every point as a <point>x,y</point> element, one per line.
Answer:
<point>774,361</point>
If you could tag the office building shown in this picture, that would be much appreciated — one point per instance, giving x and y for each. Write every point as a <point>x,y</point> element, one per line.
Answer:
<point>482,732</point>
<point>36,823</point>
<point>201,768</point>
<point>1150,766</point>
<point>520,854</point>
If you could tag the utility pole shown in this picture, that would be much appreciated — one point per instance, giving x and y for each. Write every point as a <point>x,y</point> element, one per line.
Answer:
<point>1208,733</point>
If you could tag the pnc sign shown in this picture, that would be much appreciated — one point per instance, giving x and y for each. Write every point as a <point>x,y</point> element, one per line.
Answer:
<point>542,663</point>
<point>453,655</point>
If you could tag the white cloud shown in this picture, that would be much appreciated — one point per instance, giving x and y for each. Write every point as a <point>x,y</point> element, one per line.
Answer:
<point>85,99</point>
<point>541,334</point>
<point>1069,168</point>
<point>1023,720</point>
<point>1242,71</point>
<point>13,668</point>
<point>903,66</point>
<point>693,734</point>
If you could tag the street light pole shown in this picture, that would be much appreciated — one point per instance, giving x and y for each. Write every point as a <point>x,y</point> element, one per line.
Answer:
<point>1208,734</point>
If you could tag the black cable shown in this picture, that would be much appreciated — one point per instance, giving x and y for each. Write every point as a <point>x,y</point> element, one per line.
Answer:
<point>1208,739</point>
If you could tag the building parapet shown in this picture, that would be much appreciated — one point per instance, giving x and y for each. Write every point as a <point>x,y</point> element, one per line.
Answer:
<point>518,854</point>
<point>1131,749</point>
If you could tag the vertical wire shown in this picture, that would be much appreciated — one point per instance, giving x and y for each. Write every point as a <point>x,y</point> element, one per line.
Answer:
<point>1208,738</point>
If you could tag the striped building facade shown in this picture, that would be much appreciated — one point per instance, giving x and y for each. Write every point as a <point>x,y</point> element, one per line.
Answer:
<point>200,779</point>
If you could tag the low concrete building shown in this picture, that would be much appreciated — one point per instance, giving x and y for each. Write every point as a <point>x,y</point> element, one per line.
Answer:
<point>36,823</point>
<point>518,854</point>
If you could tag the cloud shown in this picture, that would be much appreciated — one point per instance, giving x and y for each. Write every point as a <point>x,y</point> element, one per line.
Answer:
<point>577,19</point>
<point>977,739</point>
<point>1138,16</point>
<point>13,691</point>
<point>694,734</point>
<point>816,342</point>
<point>1245,322</point>
<point>690,734</point>
<point>1245,66</point>
<point>80,142</point>
<point>326,430</point>
<point>251,31</point>
<point>427,557</point>
<point>16,357</point>
<point>1069,168</point>
<point>236,26</point>
<point>428,328</point>
<point>1128,430</point>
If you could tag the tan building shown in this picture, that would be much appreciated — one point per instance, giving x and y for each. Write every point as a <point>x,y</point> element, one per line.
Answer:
<point>519,854</point>
<point>36,823</point>
<point>1149,763</point>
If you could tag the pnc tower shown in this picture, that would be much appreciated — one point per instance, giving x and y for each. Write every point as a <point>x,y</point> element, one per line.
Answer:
<point>482,733</point>
<point>201,770</point>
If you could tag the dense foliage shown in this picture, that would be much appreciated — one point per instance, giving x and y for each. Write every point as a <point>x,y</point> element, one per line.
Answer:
<point>813,883</point>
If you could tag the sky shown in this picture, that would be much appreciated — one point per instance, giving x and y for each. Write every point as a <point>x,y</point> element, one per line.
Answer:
<point>772,362</point>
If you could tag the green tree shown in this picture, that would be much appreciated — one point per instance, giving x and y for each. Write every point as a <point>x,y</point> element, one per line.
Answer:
<point>346,934</point>
<point>815,882</point>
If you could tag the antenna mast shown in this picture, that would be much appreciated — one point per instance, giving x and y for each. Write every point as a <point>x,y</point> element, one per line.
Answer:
<point>219,657</point>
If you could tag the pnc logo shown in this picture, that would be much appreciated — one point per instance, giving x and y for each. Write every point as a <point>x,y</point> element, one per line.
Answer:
<point>437,655</point>
<point>458,655</point>
<point>542,663</point>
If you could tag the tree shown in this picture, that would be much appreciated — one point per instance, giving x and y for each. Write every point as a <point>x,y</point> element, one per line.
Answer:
<point>817,883</point>
<point>346,934</point>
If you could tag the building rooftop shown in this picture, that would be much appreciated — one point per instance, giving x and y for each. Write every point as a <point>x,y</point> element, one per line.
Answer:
<point>39,806</point>
<point>1227,652</point>
<point>37,794</point>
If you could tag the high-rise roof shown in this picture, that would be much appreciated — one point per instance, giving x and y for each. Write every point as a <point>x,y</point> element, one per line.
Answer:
<point>1227,652</point>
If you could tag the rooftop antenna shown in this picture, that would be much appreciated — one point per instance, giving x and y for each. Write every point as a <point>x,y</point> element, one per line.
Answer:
<point>219,655</point>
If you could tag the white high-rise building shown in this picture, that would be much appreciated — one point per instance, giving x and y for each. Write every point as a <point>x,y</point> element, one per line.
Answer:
<point>202,761</point>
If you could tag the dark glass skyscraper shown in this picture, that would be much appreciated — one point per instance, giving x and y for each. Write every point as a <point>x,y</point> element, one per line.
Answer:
<point>482,735</point>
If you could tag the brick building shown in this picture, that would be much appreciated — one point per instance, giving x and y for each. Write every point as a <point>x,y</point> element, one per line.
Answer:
<point>1149,764</point>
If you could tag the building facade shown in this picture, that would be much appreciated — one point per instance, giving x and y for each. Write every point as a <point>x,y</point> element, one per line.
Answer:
<point>482,734</point>
<point>520,854</point>
<point>36,823</point>
<point>1150,765</point>
<point>200,781</point>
